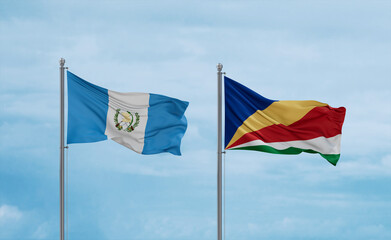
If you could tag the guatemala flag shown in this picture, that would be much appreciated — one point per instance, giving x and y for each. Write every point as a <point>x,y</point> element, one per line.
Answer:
<point>144,122</point>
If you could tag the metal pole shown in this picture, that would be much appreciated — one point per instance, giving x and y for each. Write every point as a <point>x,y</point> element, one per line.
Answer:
<point>62,62</point>
<point>219,152</point>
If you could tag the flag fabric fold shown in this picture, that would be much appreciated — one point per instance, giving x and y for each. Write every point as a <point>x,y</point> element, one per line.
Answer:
<point>144,122</point>
<point>253,122</point>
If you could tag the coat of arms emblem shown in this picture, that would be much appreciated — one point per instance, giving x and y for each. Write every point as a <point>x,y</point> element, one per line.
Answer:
<point>126,121</point>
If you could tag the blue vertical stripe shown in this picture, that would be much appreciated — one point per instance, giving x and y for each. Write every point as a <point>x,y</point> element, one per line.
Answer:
<point>87,111</point>
<point>166,125</point>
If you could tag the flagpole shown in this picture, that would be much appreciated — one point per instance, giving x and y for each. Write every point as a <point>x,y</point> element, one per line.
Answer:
<point>62,68</point>
<point>219,152</point>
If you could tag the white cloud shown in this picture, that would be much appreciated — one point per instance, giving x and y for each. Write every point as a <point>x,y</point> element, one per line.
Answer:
<point>9,213</point>
<point>11,220</point>
<point>176,225</point>
<point>311,168</point>
<point>18,224</point>
<point>367,167</point>
<point>309,228</point>
<point>192,163</point>
<point>42,231</point>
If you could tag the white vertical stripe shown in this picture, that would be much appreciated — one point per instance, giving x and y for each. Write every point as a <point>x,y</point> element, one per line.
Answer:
<point>134,103</point>
<point>322,145</point>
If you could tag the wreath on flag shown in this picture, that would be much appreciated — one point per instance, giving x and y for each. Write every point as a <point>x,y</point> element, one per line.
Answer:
<point>126,122</point>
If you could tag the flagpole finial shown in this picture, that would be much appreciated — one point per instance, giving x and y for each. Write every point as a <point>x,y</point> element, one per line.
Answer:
<point>62,61</point>
<point>219,67</point>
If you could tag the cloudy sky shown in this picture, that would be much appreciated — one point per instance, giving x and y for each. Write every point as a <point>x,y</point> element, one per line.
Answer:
<point>337,52</point>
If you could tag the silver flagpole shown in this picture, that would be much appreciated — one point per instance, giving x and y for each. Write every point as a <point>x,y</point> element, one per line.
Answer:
<point>62,68</point>
<point>219,152</point>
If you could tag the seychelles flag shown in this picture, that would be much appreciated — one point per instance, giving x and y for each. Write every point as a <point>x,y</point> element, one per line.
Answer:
<point>144,122</point>
<point>253,122</point>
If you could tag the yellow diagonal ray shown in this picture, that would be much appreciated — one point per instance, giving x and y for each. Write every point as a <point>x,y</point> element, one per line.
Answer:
<point>280,112</point>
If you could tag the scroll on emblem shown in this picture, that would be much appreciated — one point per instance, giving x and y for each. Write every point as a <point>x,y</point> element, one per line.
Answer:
<point>125,121</point>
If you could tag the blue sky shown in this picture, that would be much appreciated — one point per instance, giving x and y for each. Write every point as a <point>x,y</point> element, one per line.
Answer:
<point>337,52</point>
